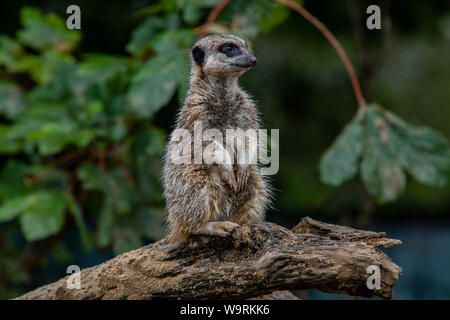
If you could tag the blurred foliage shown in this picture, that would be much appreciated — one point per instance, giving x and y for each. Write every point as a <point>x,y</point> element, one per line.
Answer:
<point>384,146</point>
<point>77,128</point>
<point>302,88</point>
<point>82,134</point>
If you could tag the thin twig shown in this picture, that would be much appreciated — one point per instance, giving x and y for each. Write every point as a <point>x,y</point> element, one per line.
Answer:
<point>336,45</point>
<point>67,158</point>
<point>213,16</point>
<point>316,23</point>
<point>101,158</point>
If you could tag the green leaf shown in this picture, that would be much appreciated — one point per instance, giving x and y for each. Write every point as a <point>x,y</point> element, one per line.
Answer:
<point>198,3</point>
<point>191,14</point>
<point>12,207</point>
<point>340,162</point>
<point>41,213</point>
<point>94,109</point>
<point>45,214</point>
<point>54,72</point>
<point>46,31</point>
<point>259,16</point>
<point>12,177</point>
<point>163,5</point>
<point>278,14</point>
<point>118,129</point>
<point>12,101</point>
<point>101,76</point>
<point>7,145</point>
<point>380,168</point>
<point>11,54</point>
<point>141,36</point>
<point>52,137</point>
<point>155,83</point>
<point>389,147</point>
<point>173,41</point>
<point>54,67</point>
<point>111,183</point>
<point>27,129</point>
<point>93,177</point>
<point>424,152</point>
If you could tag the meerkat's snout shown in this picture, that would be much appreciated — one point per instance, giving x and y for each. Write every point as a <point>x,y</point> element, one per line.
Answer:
<point>245,61</point>
<point>252,60</point>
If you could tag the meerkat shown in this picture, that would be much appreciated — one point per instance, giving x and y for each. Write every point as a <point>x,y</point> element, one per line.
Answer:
<point>215,199</point>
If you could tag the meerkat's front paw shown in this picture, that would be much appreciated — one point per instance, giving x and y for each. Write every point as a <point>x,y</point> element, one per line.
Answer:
<point>229,178</point>
<point>222,228</point>
<point>241,178</point>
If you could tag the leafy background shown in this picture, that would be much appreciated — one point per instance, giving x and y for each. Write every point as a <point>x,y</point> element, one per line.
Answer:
<point>84,116</point>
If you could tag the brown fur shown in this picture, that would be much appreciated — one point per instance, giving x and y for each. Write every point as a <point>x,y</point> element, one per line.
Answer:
<point>208,199</point>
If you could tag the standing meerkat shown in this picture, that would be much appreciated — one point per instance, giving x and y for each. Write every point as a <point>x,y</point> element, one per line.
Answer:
<point>214,198</point>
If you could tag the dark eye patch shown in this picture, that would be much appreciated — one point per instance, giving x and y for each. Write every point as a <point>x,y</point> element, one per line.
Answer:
<point>230,49</point>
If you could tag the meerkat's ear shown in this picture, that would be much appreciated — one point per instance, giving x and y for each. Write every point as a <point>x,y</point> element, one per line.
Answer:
<point>199,55</point>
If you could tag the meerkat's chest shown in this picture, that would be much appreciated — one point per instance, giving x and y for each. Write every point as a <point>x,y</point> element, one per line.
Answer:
<point>226,115</point>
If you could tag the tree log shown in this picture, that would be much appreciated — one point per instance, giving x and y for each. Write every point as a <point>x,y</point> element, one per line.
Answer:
<point>254,260</point>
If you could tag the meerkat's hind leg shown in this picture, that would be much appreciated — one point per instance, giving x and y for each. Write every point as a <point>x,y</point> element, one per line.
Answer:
<point>251,201</point>
<point>209,202</point>
<point>217,228</point>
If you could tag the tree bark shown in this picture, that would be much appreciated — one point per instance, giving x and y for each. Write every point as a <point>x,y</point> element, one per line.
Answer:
<point>255,260</point>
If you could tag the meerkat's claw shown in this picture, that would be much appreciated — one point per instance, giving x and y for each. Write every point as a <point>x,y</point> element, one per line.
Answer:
<point>229,178</point>
<point>241,178</point>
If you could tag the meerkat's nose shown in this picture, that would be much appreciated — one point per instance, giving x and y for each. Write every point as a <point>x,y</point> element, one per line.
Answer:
<point>252,60</point>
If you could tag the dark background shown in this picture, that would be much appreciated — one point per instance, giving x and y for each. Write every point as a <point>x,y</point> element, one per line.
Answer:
<point>301,88</point>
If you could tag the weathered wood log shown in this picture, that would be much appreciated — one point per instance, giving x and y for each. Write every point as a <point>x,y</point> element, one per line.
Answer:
<point>255,260</point>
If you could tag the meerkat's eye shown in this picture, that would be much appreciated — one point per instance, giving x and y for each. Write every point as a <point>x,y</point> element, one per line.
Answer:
<point>229,49</point>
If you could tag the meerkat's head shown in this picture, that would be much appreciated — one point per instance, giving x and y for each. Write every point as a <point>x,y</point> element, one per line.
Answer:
<point>222,55</point>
